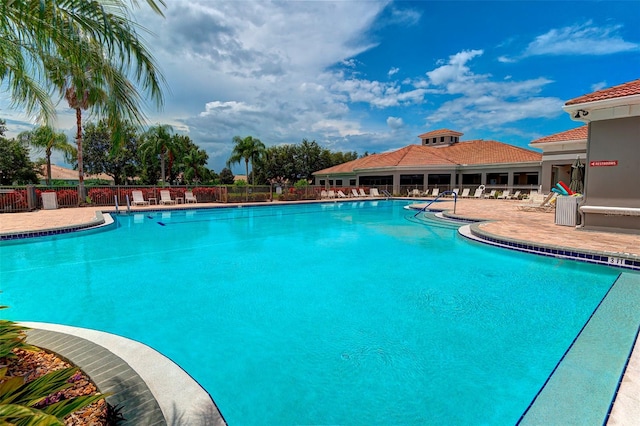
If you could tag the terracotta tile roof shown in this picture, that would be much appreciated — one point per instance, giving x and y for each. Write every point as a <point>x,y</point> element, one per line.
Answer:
<point>440,132</point>
<point>468,152</point>
<point>577,134</point>
<point>62,173</point>
<point>619,91</point>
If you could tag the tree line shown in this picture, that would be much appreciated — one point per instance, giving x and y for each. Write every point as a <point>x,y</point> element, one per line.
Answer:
<point>158,156</point>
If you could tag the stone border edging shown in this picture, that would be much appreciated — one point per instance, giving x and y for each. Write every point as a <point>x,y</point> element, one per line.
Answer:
<point>181,399</point>
<point>615,259</point>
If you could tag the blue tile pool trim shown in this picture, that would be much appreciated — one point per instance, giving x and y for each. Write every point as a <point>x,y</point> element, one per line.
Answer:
<point>619,260</point>
<point>101,220</point>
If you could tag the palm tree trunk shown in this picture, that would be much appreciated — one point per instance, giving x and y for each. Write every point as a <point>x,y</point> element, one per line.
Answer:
<point>48,154</point>
<point>246,187</point>
<point>80,163</point>
<point>162,169</point>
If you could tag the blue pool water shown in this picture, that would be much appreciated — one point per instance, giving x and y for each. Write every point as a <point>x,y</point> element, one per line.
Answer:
<point>339,313</point>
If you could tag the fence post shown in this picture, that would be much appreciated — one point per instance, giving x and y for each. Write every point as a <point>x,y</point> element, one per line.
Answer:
<point>32,199</point>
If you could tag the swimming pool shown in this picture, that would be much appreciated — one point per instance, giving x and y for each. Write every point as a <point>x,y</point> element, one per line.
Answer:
<point>341,313</point>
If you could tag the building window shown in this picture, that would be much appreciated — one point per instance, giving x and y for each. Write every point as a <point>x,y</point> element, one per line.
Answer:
<point>497,178</point>
<point>441,138</point>
<point>322,182</point>
<point>434,140</point>
<point>338,182</point>
<point>352,182</point>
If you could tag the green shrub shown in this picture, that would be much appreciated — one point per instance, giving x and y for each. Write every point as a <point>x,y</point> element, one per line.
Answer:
<point>37,402</point>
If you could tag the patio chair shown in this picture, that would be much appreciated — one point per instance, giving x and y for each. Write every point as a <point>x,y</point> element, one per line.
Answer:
<point>341,194</point>
<point>354,192</point>
<point>465,193</point>
<point>138,199</point>
<point>435,192</point>
<point>374,192</point>
<point>189,197</point>
<point>165,197</point>
<point>362,193</point>
<point>516,195</point>
<point>504,195</point>
<point>492,194</point>
<point>331,194</point>
<point>414,193</point>
<point>478,193</point>
<point>455,191</point>
<point>324,194</point>
<point>546,205</point>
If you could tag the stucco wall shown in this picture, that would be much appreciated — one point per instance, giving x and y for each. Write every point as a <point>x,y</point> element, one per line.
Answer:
<point>616,185</point>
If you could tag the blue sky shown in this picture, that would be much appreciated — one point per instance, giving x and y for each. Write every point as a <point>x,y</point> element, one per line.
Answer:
<point>371,76</point>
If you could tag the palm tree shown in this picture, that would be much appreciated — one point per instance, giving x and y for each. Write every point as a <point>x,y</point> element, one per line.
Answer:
<point>249,149</point>
<point>194,165</point>
<point>44,137</point>
<point>157,141</point>
<point>34,31</point>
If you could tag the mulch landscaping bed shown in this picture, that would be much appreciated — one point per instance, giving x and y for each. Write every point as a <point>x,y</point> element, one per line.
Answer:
<point>31,365</point>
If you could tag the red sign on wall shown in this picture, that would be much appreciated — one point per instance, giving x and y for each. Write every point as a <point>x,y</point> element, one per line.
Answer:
<point>603,163</point>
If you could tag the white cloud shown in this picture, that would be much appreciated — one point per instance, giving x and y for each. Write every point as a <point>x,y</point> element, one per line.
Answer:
<point>580,39</point>
<point>506,59</point>
<point>393,71</point>
<point>478,102</point>
<point>455,70</point>
<point>599,86</point>
<point>395,123</point>
<point>377,94</point>
<point>262,68</point>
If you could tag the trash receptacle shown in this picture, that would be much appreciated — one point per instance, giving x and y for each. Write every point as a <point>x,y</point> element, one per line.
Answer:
<point>567,210</point>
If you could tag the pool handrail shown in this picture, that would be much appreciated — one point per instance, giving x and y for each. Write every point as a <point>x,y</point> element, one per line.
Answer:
<point>442,194</point>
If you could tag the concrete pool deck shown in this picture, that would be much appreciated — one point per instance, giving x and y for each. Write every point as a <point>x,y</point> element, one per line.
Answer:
<point>503,220</point>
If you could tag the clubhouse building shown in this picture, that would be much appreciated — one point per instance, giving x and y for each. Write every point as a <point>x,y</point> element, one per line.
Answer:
<point>607,144</point>
<point>440,161</point>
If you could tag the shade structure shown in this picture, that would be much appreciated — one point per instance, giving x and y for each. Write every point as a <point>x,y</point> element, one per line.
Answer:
<point>577,177</point>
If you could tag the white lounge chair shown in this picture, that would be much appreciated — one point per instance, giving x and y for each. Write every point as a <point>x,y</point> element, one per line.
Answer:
<point>465,193</point>
<point>435,192</point>
<point>165,197</point>
<point>138,199</point>
<point>354,192</point>
<point>516,195</point>
<point>324,194</point>
<point>504,195</point>
<point>189,197</point>
<point>362,193</point>
<point>331,194</point>
<point>456,192</point>
<point>341,194</point>
<point>374,192</point>
<point>492,194</point>
<point>478,193</point>
<point>546,205</point>
<point>414,193</point>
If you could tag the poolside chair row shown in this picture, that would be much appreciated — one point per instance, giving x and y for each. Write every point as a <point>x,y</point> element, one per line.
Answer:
<point>165,198</point>
<point>479,193</point>
<point>356,193</point>
<point>417,193</point>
